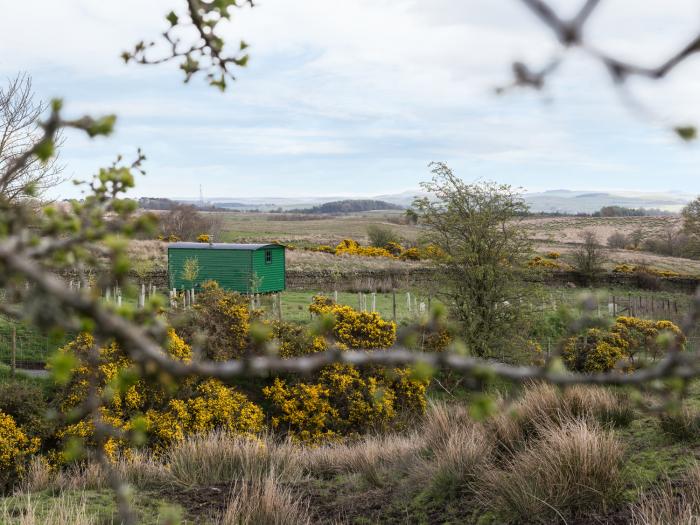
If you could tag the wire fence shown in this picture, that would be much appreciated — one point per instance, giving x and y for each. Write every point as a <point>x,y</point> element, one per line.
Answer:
<point>24,347</point>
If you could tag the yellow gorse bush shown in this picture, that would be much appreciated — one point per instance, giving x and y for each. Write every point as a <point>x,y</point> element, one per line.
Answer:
<point>342,400</point>
<point>171,411</point>
<point>204,237</point>
<point>599,350</point>
<point>355,329</point>
<point>632,268</point>
<point>215,406</point>
<point>15,448</point>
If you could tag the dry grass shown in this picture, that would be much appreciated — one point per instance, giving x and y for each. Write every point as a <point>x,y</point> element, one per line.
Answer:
<point>220,457</point>
<point>571,469</point>
<point>264,502</point>
<point>57,511</point>
<point>667,505</point>
<point>139,469</point>
<point>459,465</point>
<point>367,457</point>
<point>683,424</point>
<point>543,406</point>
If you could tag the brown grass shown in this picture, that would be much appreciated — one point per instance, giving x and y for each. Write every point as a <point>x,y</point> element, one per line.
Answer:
<point>570,470</point>
<point>220,457</point>
<point>57,511</point>
<point>264,501</point>
<point>669,505</point>
<point>543,406</point>
<point>367,457</point>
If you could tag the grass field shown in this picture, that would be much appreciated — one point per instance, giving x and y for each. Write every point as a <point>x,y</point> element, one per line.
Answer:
<point>561,234</point>
<point>608,464</point>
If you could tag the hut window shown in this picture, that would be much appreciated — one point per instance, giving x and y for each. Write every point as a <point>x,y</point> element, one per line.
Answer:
<point>268,256</point>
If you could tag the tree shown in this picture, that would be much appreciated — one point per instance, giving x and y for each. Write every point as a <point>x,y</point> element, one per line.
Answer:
<point>691,226</point>
<point>19,130</point>
<point>380,236</point>
<point>481,246</point>
<point>588,257</point>
<point>187,224</point>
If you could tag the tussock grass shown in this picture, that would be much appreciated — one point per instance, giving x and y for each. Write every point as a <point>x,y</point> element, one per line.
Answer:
<point>139,470</point>
<point>441,420</point>
<point>367,457</point>
<point>264,501</point>
<point>57,511</point>
<point>460,464</point>
<point>571,469</point>
<point>667,505</point>
<point>220,457</point>
<point>542,406</point>
<point>683,424</point>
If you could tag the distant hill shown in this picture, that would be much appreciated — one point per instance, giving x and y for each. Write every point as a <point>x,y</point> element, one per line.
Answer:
<point>351,206</point>
<point>563,201</point>
<point>552,201</point>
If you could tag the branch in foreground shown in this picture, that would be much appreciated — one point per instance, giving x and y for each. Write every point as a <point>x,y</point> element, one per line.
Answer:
<point>143,349</point>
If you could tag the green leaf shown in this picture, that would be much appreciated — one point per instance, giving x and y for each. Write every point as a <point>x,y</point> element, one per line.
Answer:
<point>44,150</point>
<point>422,371</point>
<point>687,133</point>
<point>481,407</point>
<point>61,365</point>
<point>102,126</point>
<point>172,18</point>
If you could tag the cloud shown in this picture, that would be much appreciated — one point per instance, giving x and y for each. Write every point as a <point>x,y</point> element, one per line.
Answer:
<point>344,95</point>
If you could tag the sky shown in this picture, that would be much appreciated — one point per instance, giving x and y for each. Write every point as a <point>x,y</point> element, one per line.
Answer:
<point>356,98</point>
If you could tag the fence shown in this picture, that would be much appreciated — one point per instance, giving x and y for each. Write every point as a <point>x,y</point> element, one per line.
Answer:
<point>23,347</point>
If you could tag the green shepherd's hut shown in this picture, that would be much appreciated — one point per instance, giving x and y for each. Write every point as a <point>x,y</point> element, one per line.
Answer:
<point>244,268</point>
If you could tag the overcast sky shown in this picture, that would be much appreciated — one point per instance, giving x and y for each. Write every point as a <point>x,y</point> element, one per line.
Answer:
<point>356,97</point>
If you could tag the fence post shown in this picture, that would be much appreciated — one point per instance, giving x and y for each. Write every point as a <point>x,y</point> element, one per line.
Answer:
<point>374,301</point>
<point>279,306</point>
<point>14,350</point>
<point>335,296</point>
<point>408,301</point>
<point>393,304</point>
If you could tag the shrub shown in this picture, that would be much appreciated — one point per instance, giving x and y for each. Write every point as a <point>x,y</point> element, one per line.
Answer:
<point>553,255</point>
<point>204,237</point>
<point>185,222</point>
<point>25,402</point>
<point>295,340</point>
<point>15,449</point>
<point>221,320</point>
<point>588,258</point>
<point>410,254</point>
<point>598,350</point>
<point>618,241</point>
<point>215,406</point>
<point>352,247</point>
<point>170,412</point>
<point>355,329</point>
<point>343,402</point>
<point>540,262</point>
<point>572,470</point>
<point>380,236</point>
<point>394,248</point>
